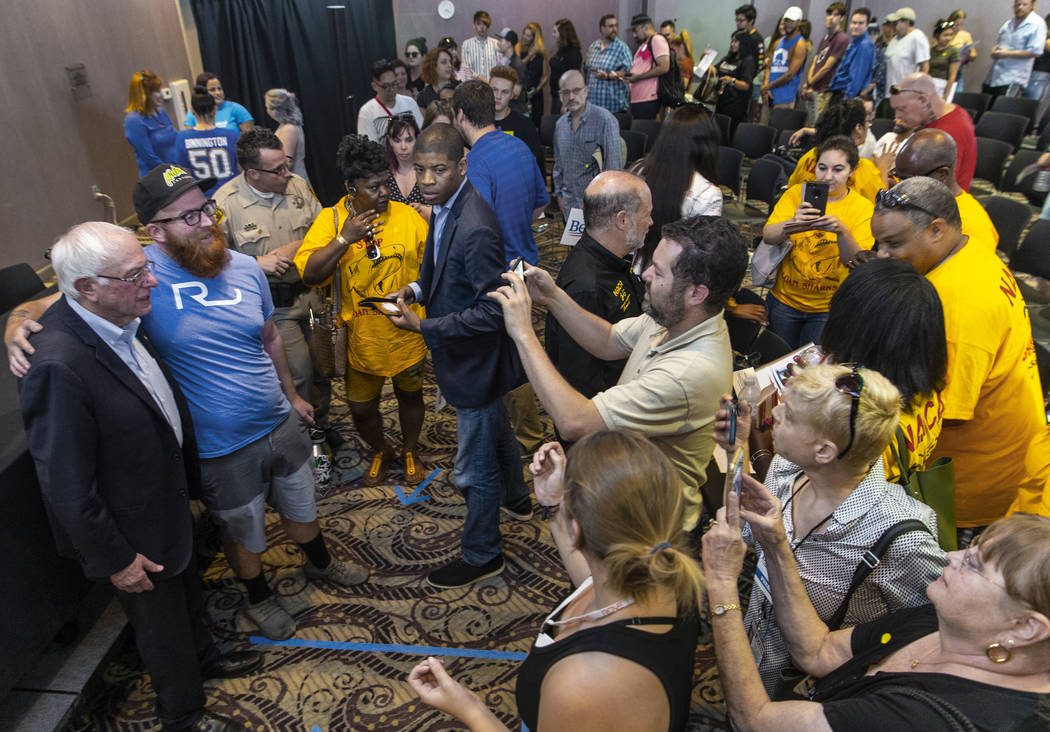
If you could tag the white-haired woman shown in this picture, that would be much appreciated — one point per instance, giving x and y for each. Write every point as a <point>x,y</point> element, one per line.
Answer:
<point>283,108</point>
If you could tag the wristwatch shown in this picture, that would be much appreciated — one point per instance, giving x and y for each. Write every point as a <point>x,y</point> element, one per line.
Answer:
<point>723,609</point>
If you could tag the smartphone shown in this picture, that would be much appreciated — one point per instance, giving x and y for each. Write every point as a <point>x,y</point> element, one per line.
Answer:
<point>517,267</point>
<point>383,304</point>
<point>731,407</point>
<point>815,193</point>
<point>734,476</point>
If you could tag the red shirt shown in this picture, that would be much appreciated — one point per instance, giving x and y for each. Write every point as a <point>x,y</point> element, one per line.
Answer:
<point>959,125</point>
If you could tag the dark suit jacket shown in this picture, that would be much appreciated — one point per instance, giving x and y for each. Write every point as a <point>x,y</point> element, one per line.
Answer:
<point>475,360</point>
<point>114,479</point>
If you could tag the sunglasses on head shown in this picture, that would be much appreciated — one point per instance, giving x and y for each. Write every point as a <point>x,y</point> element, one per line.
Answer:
<point>895,90</point>
<point>891,199</point>
<point>851,384</point>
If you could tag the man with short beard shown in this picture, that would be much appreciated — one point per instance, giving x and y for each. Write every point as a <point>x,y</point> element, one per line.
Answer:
<point>679,361</point>
<point>211,322</point>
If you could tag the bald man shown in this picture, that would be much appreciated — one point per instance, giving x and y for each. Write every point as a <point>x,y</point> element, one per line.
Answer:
<point>916,103</point>
<point>584,129</point>
<point>932,153</point>
<point>597,275</point>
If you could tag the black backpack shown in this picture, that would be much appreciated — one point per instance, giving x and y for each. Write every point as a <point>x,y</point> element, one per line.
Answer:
<point>670,91</point>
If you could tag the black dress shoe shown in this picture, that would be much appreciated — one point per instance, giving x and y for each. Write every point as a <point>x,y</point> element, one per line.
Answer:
<point>215,723</point>
<point>233,664</point>
<point>461,574</point>
<point>333,438</point>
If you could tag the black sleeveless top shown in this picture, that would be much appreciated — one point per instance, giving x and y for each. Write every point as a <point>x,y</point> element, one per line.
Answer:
<point>669,655</point>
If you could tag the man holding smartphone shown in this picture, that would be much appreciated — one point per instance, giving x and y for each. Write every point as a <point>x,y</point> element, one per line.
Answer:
<point>474,361</point>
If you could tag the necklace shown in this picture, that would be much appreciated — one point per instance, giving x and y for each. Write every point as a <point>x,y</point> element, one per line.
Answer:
<point>916,661</point>
<point>595,614</point>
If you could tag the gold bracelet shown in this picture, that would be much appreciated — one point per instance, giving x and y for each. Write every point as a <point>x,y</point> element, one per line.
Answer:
<point>761,453</point>
<point>719,610</point>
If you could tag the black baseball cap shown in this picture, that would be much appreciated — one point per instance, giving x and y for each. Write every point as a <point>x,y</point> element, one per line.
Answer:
<point>161,186</point>
<point>641,19</point>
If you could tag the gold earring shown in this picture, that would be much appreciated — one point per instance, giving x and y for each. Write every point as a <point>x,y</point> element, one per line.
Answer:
<point>997,653</point>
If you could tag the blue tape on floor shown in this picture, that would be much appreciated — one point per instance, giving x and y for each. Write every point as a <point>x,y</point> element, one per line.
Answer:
<point>390,648</point>
<point>415,496</point>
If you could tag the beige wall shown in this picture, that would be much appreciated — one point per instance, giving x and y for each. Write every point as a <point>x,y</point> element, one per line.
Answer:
<point>55,148</point>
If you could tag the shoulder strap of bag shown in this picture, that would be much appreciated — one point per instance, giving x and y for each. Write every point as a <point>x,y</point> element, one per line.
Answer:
<point>337,295</point>
<point>870,560</point>
<point>901,455</point>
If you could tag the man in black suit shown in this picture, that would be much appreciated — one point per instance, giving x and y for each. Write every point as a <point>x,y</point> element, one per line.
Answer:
<point>115,452</point>
<point>474,361</point>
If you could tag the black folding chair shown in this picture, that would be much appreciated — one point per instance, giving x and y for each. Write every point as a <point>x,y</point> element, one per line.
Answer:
<point>754,140</point>
<point>18,283</point>
<point>650,128</point>
<point>784,119</point>
<point>1002,126</point>
<point>1009,217</point>
<point>991,159</point>
<point>765,181</point>
<point>624,118</point>
<point>636,145</point>
<point>1018,105</point>
<point>1033,256</point>
<point>725,124</point>
<point>880,127</point>
<point>973,100</point>
<point>730,163</point>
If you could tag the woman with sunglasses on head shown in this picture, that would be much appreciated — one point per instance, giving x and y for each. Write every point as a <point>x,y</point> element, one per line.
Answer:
<point>618,653</point>
<point>283,108</point>
<point>822,244</point>
<point>944,56</point>
<point>147,127</point>
<point>377,245</point>
<point>415,50</point>
<point>830,427</point>
<point>976,657</point>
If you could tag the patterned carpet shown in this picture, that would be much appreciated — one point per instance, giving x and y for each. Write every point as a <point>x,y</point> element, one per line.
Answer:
<point>336,689</point>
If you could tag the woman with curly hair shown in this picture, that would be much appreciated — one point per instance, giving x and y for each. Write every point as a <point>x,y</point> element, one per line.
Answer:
<point>377,245</point>
<point>438,74</point>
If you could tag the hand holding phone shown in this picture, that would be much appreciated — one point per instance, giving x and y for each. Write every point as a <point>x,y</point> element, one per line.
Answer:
<point>815,193</point>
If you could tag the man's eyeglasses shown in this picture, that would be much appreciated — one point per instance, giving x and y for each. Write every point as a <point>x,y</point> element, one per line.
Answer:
<point>411,54</point>
<point>135,278</point>
<point>891,199</point>
<point>927,174</point>
<point>279,170</point>
<point>895,90</point>
<point>571,92</point>
<point>851,384</point>
<point>193,218</point>
<point>387,86</point>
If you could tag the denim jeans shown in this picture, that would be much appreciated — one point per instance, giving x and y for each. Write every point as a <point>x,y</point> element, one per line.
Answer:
<point>794,326</point>
<point>1037,84</point>
<point>489,473</point>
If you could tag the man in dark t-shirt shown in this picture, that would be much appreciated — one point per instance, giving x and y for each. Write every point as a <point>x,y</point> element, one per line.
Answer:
<point>503,80</point>
<point>617,208</point>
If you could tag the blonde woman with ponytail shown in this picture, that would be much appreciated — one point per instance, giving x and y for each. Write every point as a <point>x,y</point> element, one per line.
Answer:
<point>618,653</point>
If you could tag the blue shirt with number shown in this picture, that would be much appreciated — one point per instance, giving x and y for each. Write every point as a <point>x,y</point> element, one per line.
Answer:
<point>208,153</point>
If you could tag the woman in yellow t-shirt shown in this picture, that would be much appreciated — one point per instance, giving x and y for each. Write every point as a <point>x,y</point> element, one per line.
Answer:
<point>821,245</point>
<point>848,118</point>
<point>378,246</point>
<point>888,317</point>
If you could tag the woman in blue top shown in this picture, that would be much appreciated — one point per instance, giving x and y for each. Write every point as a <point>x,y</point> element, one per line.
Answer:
<point>146,124</point>
<point>229,115</point>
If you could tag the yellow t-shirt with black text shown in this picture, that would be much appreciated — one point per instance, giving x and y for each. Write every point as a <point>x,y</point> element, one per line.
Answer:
<point>921,426</point>
<point>812,270</point>
<point>1000,447</point>
<point>374,345</point>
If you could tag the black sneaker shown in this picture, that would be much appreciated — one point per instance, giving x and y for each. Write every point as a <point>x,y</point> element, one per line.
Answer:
<point>461,574</point>
<point>333,438</point>
<point>520,511</point>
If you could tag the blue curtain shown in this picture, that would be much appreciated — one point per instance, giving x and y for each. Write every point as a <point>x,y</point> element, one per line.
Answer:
<point>323,54</point>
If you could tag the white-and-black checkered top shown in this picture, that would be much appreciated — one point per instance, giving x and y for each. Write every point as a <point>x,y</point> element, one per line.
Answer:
<point>829,557</point>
